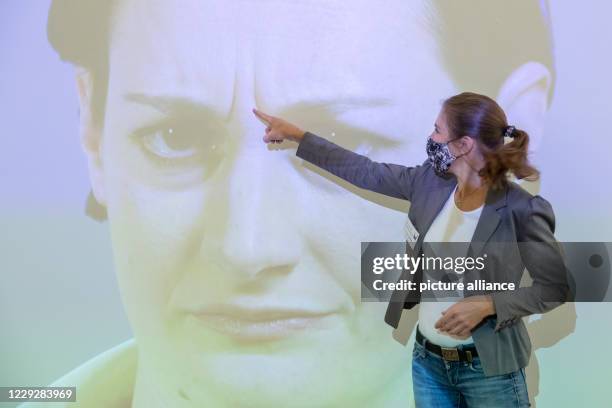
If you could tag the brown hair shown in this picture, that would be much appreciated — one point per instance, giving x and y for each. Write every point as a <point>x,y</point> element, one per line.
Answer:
<point>481,118</point>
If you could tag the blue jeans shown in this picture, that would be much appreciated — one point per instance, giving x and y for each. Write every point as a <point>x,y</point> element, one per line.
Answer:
<point>440,383</point>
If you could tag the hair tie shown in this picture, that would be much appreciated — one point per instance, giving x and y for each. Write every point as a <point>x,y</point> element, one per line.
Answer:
<point>509,131</point>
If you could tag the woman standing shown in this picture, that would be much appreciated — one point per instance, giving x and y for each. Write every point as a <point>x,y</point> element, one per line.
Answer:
<point>472,351</point>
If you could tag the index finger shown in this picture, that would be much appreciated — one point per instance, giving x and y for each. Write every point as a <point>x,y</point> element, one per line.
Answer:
<point>265,118</point>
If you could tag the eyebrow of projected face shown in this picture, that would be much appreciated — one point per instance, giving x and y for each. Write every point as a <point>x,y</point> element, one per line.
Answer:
<point>323,111</point>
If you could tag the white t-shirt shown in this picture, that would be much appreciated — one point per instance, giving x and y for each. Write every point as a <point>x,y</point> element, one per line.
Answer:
<point>451,225</point>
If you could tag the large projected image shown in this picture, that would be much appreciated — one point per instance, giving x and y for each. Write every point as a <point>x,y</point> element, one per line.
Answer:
<point>237,262</point>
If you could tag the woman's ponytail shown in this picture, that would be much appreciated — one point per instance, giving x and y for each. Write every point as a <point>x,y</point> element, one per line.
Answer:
<point>510,156</point>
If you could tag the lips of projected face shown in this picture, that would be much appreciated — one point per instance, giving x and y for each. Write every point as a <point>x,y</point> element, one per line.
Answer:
<point>263,324</point>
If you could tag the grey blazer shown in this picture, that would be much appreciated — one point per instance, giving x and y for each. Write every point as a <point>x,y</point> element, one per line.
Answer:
<point>509,217</point>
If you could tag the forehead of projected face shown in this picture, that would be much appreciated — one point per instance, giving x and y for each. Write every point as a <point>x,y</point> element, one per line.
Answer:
<point>324,65</point>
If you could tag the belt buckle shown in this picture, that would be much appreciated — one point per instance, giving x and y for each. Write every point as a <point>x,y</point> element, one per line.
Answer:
<point>450,353</point>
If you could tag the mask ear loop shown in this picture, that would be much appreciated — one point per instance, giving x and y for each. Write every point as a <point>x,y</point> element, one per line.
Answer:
<point>461,155</point>
<point>466,153</point>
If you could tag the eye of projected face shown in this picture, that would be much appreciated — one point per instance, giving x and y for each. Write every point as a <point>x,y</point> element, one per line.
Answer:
<point>167,143</point>
<point>182,144</point>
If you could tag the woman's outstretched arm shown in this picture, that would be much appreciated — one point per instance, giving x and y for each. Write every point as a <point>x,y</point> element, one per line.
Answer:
<point>385,178</point>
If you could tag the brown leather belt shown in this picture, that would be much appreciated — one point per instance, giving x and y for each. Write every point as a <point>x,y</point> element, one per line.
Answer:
<point>448,353</point>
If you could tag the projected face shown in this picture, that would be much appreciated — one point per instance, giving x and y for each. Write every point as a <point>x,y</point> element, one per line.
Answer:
<point>239,265</point>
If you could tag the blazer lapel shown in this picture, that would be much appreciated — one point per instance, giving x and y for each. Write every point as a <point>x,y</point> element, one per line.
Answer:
<point>489,219</point>
<point>436,199</point>
<point>487,223</point>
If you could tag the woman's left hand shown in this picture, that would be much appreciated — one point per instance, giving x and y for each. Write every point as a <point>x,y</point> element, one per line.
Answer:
<point>463,316</point>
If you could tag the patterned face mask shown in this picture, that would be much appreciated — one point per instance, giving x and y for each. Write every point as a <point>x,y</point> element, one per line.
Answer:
<point>440,156</point>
